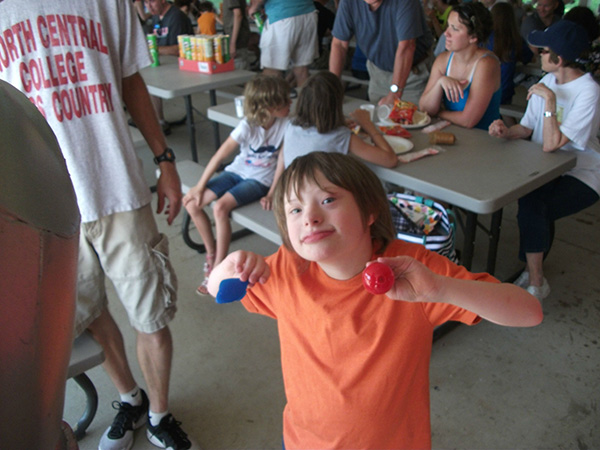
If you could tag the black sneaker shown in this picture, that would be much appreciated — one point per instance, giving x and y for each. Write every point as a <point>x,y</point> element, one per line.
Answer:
<point>119,436</point>
<point>168,434</point>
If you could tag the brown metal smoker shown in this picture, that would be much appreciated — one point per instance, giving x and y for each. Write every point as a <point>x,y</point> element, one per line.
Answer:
<point>39,232</point>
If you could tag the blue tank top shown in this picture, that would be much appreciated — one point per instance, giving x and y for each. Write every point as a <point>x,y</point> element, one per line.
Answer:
<point>493,110</point>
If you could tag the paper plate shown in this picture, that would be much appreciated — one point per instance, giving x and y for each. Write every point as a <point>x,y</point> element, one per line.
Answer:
<point>399,144</point>
<point>422,118</point>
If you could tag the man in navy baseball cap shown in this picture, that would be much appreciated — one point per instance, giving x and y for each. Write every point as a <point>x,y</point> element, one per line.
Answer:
<point>565,38</point>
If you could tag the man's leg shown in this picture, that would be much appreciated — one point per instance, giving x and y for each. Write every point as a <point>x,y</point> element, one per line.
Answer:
<point>135,256</point>
<point>305,45</point>
<point>272,72</point>
<point>301,74</point>
<point>107,333</point>
<point>155,353</point>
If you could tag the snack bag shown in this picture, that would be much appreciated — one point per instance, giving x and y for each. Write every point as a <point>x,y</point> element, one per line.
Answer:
<point>403,112</point>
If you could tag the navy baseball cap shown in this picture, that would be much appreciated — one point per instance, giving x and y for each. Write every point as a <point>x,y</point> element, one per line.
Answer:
<point>565,38</point>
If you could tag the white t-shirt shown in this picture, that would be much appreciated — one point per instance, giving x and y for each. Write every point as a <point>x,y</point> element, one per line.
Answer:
<point>578,113</point>
<point>69,58</point>
<point>259,149</point>
<point>302,141</point>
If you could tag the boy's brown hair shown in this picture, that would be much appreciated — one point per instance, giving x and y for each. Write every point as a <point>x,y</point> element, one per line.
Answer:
<point>262,93</point>
<point>346,172</point>
<point>320,103</point>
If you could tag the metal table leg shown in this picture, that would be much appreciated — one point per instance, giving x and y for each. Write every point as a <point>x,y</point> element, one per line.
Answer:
<point>494,236</point>
<point>213,102</point>
<point>189,110</point>
<point>469,242</point>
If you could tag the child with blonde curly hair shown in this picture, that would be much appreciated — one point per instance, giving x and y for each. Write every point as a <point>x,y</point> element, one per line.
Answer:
<point>259,137</point>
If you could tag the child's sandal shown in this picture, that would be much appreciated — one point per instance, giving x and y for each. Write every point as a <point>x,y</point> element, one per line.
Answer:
<point>202,290</point>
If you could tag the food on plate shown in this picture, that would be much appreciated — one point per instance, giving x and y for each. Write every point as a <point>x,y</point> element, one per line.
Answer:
<point>402,112</point>
<point>406,113</point>
<point>395,130</point>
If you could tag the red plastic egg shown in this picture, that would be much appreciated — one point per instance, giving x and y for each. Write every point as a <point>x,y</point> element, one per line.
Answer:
<point>378,278</point>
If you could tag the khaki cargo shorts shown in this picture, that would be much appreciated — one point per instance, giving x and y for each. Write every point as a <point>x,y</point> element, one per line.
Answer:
<point>127,249</point>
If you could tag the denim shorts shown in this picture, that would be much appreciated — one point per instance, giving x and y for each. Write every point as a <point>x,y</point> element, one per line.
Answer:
<point>243,190</point>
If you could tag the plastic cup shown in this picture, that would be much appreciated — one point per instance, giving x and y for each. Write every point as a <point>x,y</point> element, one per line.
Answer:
<point>383,112</point>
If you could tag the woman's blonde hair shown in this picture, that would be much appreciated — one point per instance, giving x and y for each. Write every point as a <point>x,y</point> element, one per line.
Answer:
<point>320,103</point>
<point>262,93</point>
<point>348,173</point>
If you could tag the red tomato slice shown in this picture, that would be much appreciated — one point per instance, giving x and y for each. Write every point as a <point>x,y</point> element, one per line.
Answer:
<point>395,130</point>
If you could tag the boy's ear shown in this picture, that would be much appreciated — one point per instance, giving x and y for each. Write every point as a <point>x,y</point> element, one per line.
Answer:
<point>371,220</point>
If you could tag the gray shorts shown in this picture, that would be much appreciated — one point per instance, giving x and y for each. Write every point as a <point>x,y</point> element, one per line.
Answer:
<point>128,249</point>
<point>380,82</point>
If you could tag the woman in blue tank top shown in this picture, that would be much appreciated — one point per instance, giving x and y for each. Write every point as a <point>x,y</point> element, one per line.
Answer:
<point>466,78</point>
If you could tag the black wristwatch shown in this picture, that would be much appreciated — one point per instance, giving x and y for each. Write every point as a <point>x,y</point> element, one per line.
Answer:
<point>168,155</point>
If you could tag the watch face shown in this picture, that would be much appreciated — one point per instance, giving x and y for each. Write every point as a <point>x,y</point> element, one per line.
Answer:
<point>394,88</point>
<point>168,156</point>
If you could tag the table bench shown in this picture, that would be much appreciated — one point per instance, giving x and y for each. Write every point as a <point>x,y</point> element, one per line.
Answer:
<point>85,355</point>
<point>252,216</point>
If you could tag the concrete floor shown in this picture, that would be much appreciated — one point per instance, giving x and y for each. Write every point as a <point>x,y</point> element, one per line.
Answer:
<point>491,387</point>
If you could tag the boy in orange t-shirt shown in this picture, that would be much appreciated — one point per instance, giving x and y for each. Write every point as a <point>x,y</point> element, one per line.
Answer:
<point>207,22</point>
<point>355,364</point>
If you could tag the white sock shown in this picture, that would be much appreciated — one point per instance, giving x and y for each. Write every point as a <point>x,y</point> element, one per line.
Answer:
<point>133,397</point>
<point>155,418</point>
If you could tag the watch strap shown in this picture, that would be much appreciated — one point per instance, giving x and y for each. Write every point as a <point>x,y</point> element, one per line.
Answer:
<point>167,156</point>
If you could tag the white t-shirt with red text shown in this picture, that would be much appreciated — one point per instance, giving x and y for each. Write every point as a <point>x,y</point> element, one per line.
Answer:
<point>69,57</point>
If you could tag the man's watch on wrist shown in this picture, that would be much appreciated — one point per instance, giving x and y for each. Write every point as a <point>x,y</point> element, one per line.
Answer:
<point>395,89</point>
<point>549,114</point>
<point>167,156</point>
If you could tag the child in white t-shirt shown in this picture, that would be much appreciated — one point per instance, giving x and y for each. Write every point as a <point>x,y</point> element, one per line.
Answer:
<point>319,125</point>
<point>259,137</point>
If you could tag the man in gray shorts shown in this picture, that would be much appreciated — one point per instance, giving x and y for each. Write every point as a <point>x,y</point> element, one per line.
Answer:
<point>396,40</point>
<point>95,65</point>
<point>289,37</point>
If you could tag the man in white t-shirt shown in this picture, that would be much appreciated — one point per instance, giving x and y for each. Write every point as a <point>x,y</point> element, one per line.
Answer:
<point>563,112</point>
<point>79,63</point>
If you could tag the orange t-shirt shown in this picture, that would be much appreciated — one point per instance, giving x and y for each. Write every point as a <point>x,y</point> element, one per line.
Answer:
<point>207,23</point>
<point>355,365</point>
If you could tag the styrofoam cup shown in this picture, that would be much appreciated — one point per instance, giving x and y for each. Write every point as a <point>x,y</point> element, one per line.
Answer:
<point>370,108</point>
<point>239,106</point>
